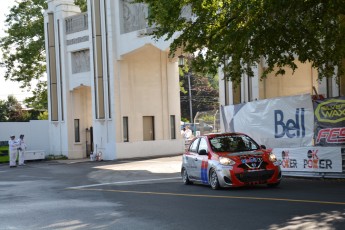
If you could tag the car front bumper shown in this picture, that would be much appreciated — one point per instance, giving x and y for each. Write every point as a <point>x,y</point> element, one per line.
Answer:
<point>229,176</point>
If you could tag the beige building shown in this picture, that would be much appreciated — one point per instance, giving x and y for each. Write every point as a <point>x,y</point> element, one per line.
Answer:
<point>304,80</point>
<point>112,89</point>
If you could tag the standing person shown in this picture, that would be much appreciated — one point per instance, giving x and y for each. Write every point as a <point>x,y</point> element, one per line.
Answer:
<point>21,150</point>
<point>188,133</point>
<point>13,145</point>
<point>183,132</point>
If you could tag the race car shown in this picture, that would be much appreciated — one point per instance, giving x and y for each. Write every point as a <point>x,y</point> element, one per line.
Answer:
<point>229,160</point>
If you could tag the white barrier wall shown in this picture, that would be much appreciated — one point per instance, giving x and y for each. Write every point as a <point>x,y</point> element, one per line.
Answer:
<point>150,148</point>
<point>36,133</point>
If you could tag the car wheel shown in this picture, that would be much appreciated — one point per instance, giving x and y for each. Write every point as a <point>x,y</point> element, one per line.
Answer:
<point>185,177</point>
<point>273,185</point>
<point>214,180</point>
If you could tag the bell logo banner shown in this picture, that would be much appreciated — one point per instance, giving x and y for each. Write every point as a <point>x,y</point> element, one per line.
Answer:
<point>277,122</point>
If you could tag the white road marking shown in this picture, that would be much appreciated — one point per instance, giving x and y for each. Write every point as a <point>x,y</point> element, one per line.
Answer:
<point>123,182</point>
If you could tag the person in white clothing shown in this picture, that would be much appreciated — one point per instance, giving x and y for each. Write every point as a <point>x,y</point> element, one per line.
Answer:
<point>188,133</point>
<point>21,150</point>
<point>13,146</point>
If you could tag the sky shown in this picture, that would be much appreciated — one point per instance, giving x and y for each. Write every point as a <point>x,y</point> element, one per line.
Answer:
<point>8,87</point>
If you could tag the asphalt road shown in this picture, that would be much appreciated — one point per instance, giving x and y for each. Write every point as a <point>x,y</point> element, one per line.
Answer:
<point>149,194</point>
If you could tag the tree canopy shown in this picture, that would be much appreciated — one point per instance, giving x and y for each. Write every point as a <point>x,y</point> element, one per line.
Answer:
<point>204,91</point>
<point>11,110</point>
<point>23,49</point>
<point>241,33</point>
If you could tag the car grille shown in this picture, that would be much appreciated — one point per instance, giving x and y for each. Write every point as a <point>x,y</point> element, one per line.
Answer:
<point>252,162</point>
<point>255,176</point>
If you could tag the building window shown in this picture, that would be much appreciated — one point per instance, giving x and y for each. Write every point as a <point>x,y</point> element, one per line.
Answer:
<point>76,130</point>
<point>125,129</point>
<point>148,128</point>
<point>172,127</point>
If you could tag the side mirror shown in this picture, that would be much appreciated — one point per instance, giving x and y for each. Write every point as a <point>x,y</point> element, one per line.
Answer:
<point>202,152</point>
<point>263,146</point>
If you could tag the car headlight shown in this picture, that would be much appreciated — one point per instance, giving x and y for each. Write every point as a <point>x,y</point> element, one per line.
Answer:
<point>226,161</point>
<point>272,157</point>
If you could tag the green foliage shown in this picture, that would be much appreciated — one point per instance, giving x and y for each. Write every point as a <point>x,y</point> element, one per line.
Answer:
<point>3,111</point>
<point>183,119</point>
<point>207,118</point>
<point>204,90</point>
<point>43,116</point>
<point>39,99</point>
<point>23,48</point>
<point>11,111</point>
<point>239,34</point>
<point>4,158</point>
<point>82,4</point>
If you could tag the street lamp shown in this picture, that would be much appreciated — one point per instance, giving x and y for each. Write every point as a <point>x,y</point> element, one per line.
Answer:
<point>181,63</point>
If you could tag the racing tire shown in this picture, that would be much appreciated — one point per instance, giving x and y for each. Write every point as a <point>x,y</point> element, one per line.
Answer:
<point>214,182</point>
<point>185,177</point>
<point>273,185</point>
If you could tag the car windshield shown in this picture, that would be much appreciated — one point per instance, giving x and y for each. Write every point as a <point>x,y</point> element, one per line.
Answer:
<point>233,143</point>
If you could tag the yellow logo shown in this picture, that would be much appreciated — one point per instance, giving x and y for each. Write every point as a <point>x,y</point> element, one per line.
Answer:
<point>331,111</point>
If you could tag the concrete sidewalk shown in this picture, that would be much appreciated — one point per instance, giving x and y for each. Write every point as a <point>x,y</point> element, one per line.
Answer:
<point>73,161</point>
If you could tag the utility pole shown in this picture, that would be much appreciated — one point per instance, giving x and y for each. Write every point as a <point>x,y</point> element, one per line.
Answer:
<point>190,100</point>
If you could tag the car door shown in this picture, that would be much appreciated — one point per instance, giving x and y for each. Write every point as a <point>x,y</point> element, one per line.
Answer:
<point>191,157</point>
<point>201,162</point>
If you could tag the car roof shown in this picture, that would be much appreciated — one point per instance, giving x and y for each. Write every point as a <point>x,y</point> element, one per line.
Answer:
<point>211,135</point>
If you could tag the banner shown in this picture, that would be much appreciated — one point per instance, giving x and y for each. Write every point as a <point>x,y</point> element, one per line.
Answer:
<point>310,159</point>
<point>277,122</point>
<point>330,121</point>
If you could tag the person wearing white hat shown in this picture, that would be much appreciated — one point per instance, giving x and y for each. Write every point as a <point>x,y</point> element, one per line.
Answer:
<point>13,145</point>
<point>21,149</point>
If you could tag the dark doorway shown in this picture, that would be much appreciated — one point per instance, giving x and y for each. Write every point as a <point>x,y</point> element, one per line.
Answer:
<point>89,141</point>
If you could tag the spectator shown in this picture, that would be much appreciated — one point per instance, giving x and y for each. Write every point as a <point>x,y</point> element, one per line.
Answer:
<point>13,146</point>
<point>21,150</point>
<point>188,133</point>
<point>182,132</point>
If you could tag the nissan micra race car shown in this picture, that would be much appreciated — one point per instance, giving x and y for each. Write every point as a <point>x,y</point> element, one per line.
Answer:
<point>229,160</point>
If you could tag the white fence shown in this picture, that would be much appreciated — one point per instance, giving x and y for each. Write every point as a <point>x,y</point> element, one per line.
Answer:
<point>36,133</point>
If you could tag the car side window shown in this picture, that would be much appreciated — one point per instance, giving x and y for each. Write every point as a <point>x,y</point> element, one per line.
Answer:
<point>194,145</point>
<point>203,144</point>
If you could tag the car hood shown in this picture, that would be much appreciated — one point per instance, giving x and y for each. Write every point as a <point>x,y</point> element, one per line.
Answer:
<point>242,153</point>
<point>245,153</point>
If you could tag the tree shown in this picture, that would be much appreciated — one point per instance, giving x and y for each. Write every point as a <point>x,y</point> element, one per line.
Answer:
<point>204,90</point>
<point>82,4</point>
<point>23,49</point>
<point>248,31</point>
<point>11,111</point>
<point>43,116</point>
<point>3,111</point>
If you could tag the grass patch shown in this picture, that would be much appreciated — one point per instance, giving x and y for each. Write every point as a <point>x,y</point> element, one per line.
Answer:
<point>4,158</point>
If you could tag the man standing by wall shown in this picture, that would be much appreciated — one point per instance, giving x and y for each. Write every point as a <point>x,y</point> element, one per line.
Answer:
<point>13,145</point>
<point>21,150</point>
